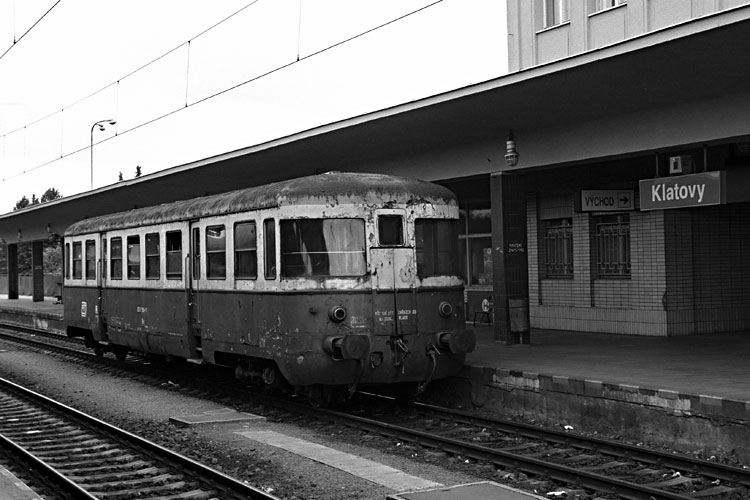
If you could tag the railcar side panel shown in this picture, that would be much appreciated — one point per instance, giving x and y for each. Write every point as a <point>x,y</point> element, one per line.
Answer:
<point>147,320</point>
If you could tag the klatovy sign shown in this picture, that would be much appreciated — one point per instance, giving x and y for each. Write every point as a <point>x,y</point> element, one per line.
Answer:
<point>694,190</point>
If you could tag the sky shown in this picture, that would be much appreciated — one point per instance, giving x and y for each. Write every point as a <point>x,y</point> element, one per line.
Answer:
<point>188,79</point>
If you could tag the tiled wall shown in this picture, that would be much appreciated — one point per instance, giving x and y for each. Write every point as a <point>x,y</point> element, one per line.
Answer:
<point>690,273</point>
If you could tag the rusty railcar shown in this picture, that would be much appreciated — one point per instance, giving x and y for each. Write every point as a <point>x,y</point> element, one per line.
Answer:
<point>332,280</point>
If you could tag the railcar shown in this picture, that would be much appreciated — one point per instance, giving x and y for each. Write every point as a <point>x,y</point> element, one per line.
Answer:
<point>321,283</point>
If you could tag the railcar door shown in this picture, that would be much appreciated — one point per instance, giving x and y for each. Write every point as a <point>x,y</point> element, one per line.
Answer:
<point>193,293</point>
<point>394,276</point>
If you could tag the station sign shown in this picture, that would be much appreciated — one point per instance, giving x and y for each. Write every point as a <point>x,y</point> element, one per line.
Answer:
<point>606,200</point>
<point>694,190</point>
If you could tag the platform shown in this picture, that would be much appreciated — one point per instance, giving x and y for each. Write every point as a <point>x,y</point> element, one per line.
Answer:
<point>12,488</point>
<point>618,384</point>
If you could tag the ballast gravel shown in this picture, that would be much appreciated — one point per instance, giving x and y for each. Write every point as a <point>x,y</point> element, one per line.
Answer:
<point>145,410</point>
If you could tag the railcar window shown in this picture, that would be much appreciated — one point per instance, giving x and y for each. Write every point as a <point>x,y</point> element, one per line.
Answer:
<point>322,247</point>
<point>104,258</point>
<point>77,261</point>
<point>115,270</point>
<point>245,251</point>
<point>152,256</point>
<point>269,236</point>
<point>134,257</point>
<point>174,255</point>
<point>391,230</point>
<point>216,252</point>
<point>67,260</point>
<point>196,253</point>
<point>436,242</point>
<point>90,260</point>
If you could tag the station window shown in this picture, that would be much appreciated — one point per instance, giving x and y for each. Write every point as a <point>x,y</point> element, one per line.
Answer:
<point>90,260</point>
<point>245,251</point>
<point>390,230</point>
<point>134,257</point>
<point>558,248</point>
<point>152,256</point>
<point>322,247</point>
<point>77,260</point>
<point>555,12</point>
<point>174,255</point>
<point>269,237</point>
<point>612,245</point>
<point>115,261</point>
<point>436,247</point>
<point>475,245</point>
<point>216,252</point>
<point>67,260</point>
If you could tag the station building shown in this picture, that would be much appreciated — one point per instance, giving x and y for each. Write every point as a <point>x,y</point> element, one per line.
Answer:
<point>604,183</point>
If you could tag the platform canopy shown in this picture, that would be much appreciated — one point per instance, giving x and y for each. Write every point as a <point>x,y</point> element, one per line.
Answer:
<point>700,60</point>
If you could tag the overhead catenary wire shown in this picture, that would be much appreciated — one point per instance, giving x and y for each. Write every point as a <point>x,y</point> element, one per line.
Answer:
<point>299,58</point>
<point>16,40</point>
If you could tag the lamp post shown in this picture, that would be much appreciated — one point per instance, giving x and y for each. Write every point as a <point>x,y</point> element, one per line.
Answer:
<point>99,124</point>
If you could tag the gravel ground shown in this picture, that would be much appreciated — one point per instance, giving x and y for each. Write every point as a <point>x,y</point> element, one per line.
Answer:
<point>145,410</point>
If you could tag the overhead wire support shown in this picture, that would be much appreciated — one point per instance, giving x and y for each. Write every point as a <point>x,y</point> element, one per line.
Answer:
<point>188,104</point>
<point>16,40</point>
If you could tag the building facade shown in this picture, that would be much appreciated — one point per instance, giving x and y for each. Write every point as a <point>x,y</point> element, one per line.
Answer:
<point>644,228</point>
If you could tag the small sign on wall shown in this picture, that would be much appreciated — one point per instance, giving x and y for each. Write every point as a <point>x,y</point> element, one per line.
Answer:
<point>606,200</point>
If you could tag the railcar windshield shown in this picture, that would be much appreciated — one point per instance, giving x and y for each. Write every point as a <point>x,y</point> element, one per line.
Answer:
<point>437,247</point>
<point>322,247</point>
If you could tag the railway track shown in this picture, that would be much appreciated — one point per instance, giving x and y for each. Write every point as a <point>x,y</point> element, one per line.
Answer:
<point>589,467</point>
<point>87,458</point>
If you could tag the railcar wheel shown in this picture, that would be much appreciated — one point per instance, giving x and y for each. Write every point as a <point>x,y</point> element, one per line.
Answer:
<point>320,396</point>
<point>98,351</point>
<point>121,352</point>
<point>273,380</point>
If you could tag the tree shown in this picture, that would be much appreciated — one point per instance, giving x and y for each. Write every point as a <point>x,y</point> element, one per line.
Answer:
<point>51,194</point>
<point>22,203</point>
<point>119,178</point>
<point>137,171</point>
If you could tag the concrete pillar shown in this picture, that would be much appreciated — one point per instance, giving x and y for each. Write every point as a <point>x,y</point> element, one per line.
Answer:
<point>37,270</point>
<point>510,258</point>
<point>12,271</point>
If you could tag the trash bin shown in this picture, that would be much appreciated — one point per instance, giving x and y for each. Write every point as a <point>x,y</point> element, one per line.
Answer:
<point>518,310</point>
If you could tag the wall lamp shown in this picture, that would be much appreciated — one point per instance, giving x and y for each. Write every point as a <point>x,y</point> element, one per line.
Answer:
<point>511,155</point>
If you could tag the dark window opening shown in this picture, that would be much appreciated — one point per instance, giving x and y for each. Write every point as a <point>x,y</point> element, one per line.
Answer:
<point>322,247</point>
<point>391,230</point>
<point>196,253</point>
<point>245,251</point>
<point>216,252</point>
<point>77,261</point>
<point>116,259</point>
<point>153,267</point>
<point>90,260</point>
<point>436,246</point>
<point>174,255</point>
<point>134,257</point>
<point>269,237</point>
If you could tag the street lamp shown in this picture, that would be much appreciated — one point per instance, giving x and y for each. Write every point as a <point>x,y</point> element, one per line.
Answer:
<point>99,124</point>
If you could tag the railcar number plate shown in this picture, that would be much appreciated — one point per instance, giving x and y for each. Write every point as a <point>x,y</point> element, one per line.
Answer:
<point>84,309</point>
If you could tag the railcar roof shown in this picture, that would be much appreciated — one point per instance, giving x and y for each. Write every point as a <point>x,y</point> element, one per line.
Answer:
<point>332,188</point>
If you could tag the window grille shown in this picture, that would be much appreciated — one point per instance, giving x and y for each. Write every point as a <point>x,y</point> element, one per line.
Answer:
<point>613,245</point>
<point>558,248</point>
